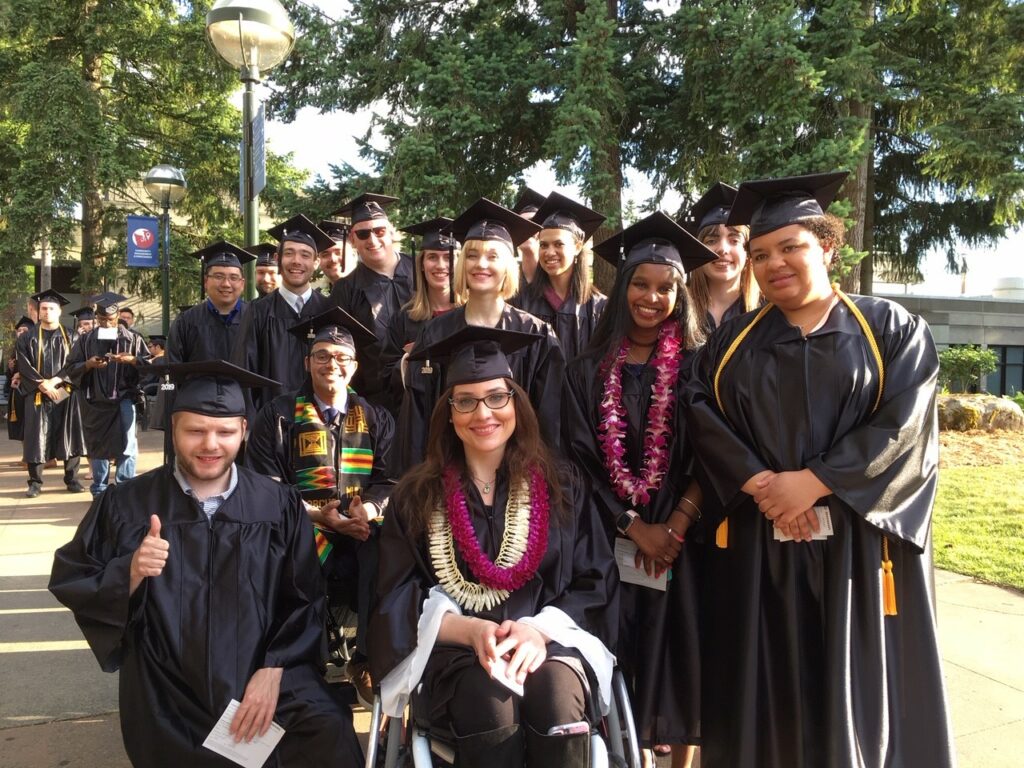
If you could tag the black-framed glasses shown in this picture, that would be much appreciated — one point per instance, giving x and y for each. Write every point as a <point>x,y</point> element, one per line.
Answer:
<point>364,234</point>
<point>467,403</point>
<point>323,357</point>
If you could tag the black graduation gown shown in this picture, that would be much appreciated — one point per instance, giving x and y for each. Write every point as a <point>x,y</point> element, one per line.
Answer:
<point>100,391</point>
<point>265,346</point>
<point>374,300</point>
<point>15,402</point>
<point>51,430</point>
<point>801,666</point>
<point>538,369</point>
<point>658,642</point>
<point>200,333</point>
<point>239,592</point>
<point>577,575</point>
<point>573,323</point>
<point>735,309</point>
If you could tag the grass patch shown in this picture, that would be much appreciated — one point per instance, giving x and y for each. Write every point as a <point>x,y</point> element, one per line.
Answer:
<point>978,524</point>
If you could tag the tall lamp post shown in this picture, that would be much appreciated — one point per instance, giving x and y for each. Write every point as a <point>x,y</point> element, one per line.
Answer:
<point>254,36</point>
<point>166,185</point>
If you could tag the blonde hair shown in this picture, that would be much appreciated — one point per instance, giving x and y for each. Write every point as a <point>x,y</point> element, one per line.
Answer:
<point>697,285</point>
<point>418,306</point>
<point>509,286</point>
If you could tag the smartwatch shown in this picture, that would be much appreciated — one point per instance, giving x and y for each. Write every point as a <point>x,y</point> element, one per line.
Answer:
<point>625,520</point>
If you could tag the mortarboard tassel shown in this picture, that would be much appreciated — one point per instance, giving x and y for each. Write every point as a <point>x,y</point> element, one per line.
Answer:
<point>722,534</point>
<point>888,581</point>
<point>344,243</point>
<point>451,272</point>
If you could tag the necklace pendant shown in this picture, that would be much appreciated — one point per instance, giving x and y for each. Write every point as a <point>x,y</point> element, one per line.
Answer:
<point>487,487</point>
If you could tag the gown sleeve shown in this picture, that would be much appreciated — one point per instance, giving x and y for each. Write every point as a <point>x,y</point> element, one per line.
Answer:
<point>264,452</point>
<point>380,483</point>
<point>296,636</point>
<point>546,389</point>
<point>885,468</point>
<point>30,377</point>
<point>74,369</point>
<point>91,576</point>
<point>402,586</point>
<point>579,441</point>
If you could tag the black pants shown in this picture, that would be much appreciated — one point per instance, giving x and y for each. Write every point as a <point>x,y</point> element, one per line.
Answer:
<point>35,471</point>
<point>553,695</point>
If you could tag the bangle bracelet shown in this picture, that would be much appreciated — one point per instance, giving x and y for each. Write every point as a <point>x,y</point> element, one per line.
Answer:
<point>696,509</point>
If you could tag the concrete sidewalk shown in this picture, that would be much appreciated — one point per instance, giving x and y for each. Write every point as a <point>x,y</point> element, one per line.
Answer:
<point>58,709</point>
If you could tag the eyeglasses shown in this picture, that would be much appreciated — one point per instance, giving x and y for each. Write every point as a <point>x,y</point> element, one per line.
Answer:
<point>323,357</point>
<point>220,277</point>
<point>364,234</point>
<point>467,404</point>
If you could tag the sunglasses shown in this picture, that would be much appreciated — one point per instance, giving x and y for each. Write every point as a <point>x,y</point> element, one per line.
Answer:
<point>364,234</point>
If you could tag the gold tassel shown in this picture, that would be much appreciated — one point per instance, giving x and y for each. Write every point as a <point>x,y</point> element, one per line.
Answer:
<point>39,399</point>
<point>722,534</point>
<point>888,582</point>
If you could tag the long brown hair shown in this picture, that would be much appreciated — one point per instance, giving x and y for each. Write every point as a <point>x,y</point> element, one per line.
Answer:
<point>525,449</point>
<point>697,284</point>
<point>581,286</point>
<point>418,306</point>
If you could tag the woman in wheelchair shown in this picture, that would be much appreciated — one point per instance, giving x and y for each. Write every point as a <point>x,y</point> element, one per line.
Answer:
<point>497,592</point>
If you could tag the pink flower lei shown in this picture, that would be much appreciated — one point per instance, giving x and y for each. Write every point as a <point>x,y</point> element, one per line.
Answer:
<point>657,439</point>
<point>486,572</point>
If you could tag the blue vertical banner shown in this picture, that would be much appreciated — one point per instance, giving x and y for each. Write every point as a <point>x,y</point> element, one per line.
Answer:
<point>143,241</point>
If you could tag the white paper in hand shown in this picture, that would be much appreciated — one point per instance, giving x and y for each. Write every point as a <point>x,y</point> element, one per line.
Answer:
<point>824,526</point>
<point>625,558</point>
<point>499,671</point>
<point>251,754</point>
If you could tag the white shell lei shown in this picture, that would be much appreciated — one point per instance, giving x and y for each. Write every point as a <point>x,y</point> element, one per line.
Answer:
<point>468,594</point>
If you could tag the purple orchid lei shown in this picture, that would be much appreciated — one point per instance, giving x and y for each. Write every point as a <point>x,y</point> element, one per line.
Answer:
<point>486,572</point>
<point>612,428</point>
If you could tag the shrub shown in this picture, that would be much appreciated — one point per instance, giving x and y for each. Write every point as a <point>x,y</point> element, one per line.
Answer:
<point>960,368</point>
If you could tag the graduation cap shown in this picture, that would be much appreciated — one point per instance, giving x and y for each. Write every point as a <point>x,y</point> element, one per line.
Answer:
<point>476,353</point>
<point>712,209</point>
<point>157,339</point>
<point>529,201</point>
<point>561,212</point>
<point>366,207</point>
<point>299,229</point>
<point>432,234</point>
<point>107,302</point>
<point>486,220</point>
<point>770,204</point>
<point>222,254</point>
<point>210,387</point>
<point>265,253</point>
<point>336,230</point>
<point>85,313</point>
<point>49,295</point>
<point>24,322</point>
<point>335,326</point>
<point>656,239</point>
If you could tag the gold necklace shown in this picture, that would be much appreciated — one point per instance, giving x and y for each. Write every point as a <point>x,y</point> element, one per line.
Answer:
<point>485,485</point>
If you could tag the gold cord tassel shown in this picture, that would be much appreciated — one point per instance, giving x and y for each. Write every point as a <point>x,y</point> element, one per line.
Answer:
<point>722,534</point>
<point>888,582</point>
<point>39,398</point>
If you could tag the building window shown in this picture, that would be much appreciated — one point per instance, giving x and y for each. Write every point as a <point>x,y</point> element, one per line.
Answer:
<point>1008,378</point>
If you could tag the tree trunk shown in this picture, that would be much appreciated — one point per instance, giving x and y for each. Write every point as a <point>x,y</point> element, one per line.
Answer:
<point>92,202</point>
<point>856,191</point>
<point>867,266</point>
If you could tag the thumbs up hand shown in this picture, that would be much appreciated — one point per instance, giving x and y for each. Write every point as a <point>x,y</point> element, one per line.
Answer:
<point>151,556</point>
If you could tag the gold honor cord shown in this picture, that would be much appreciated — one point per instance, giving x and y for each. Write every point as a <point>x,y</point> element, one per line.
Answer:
<point>39,356</point>
<point>722,532</point>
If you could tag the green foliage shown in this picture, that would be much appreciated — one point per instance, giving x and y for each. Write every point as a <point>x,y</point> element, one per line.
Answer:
<point>469,95</point>
<point>95,92</point>
<point>960,368</point>
<point>1018,398</point>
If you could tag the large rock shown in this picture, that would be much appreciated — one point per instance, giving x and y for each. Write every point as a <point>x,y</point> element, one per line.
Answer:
<point>965,412</point>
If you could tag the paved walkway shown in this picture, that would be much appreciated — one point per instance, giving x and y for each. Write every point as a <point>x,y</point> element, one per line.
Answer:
<point>58,709</point>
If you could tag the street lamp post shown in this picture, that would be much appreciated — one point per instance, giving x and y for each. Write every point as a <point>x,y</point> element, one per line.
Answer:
<point>254,36</point>
<point>166,185</point>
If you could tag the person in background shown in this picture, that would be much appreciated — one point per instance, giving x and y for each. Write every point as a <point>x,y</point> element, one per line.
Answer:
<point>335,262</point>
<point>126,316</point>
<point>527,205</point>
<point>726,287</point>
<point>12,384</point>
<point>268,278</point>
<point>103,367</point>
<point>49,428</point>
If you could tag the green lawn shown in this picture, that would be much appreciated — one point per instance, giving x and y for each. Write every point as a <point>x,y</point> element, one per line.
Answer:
<point>979,523</point>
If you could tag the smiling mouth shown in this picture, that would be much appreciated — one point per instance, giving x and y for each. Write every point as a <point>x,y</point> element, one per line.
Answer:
<point>484,429</point>
<point>647,311</point>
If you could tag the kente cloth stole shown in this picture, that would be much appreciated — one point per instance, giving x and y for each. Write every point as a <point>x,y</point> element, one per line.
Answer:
<point>325,470</point>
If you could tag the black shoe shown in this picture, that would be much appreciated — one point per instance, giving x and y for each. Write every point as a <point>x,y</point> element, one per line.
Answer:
<point>34,489</point>
<point>75,487</point>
